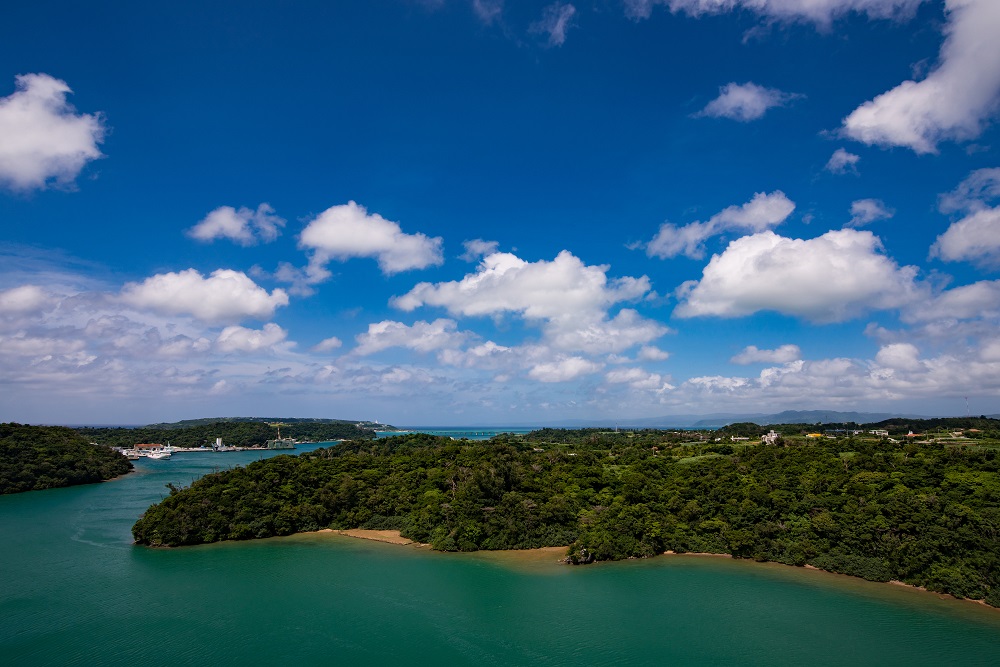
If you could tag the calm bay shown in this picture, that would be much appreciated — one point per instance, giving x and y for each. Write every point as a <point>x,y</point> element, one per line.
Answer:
<point>75,590</point>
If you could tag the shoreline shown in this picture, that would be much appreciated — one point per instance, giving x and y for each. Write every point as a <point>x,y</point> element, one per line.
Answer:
<point>543,554</point>
<point>852,578</point>
<point>109,479</point>
<point>702,554</point>
<point>386,536</point>
<point>393,537</point>
<point>943,596</point>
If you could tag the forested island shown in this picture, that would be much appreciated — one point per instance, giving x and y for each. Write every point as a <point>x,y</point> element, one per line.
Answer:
<point>925,513</point>
<point>46,457</point>
<point>239,432</point>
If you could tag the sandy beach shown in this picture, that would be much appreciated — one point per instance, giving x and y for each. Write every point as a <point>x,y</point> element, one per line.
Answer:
<point>524,559</point>
<point>388,536</point>
<point>696,553</point>
<point>530,557</point>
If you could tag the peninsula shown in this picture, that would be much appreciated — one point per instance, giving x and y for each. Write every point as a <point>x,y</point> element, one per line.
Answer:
<point>46,457</point>
<point>920,509</point>
<point>237,431</point>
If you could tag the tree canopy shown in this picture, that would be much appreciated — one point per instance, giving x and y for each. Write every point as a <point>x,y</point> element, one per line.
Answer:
<point>237,433</point>
<point>923,514</point>
<point>45,457</point>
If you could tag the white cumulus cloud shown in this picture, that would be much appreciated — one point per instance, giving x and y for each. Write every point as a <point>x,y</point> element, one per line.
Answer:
<point>652,353</point>
<point>243,226</point>
<point>834,277</point>
<point>224,296</point>
<point>346,231</point>
<point>820,12</point>
<point>897,372</point>
<point>484,355</point>
<point>421,336</point>
<point>990,351</point>
<point>241,339</point>
<point>488,11</point>
<point>751,354</point>
<point>556,20</point>
<point>617,334</point>
<point>569,299</point>
<point>843,162</point>
<point>24,299</point>
<point>563,370</point>
<point>537,290</point>
<point>39,346</point>
<point>981,299</point>
<point>328,344</point>
<point>973,193</point>
<point>717,383</point>
<point>899,356</point>
<point>864,211</point>
<point>477,249</point>
<point>975,237</point>
<point>763,211</point>
<point>954,101</point>
<point>745,101</point>
<point>44,139</point>
<point>638,379</point>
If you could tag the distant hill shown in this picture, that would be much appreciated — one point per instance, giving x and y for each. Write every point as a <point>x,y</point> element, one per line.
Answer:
<point>719,419</point>
<point>989,426</point>
<point>46,457</point>
<point>666,421</point>
<point>205,421</point>
<point>238,431</point>
<point>812,417</point>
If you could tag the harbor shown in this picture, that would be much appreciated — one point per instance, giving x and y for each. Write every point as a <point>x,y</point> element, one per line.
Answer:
<point>156,451</point>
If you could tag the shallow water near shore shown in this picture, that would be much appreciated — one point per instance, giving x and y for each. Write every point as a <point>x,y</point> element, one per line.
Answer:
<point>76,591</point>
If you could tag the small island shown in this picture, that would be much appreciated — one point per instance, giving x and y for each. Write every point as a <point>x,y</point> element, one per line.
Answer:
<point>47,457</point>
<point>883,502</point>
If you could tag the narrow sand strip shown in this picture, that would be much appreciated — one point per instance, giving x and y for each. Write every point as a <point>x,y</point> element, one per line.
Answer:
<point>389,536</point>
<point>696,553</point>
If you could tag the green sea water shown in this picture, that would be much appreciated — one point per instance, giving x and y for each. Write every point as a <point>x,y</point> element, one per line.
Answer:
<point>74,590</point>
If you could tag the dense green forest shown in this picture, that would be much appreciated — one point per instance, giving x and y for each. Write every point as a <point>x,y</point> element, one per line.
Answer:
<point>926,514</point>
<point>987,426</point>
<point>46,457</point>
<point>976,427</point>
<point>235,433</point>
<point>206,421</point>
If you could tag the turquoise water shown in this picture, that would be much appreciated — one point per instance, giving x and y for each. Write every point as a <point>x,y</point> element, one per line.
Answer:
<point>459,432</point>
<point>74,590</point>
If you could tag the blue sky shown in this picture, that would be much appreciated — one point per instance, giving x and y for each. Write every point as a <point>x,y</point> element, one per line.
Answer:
<point>489,211</point>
